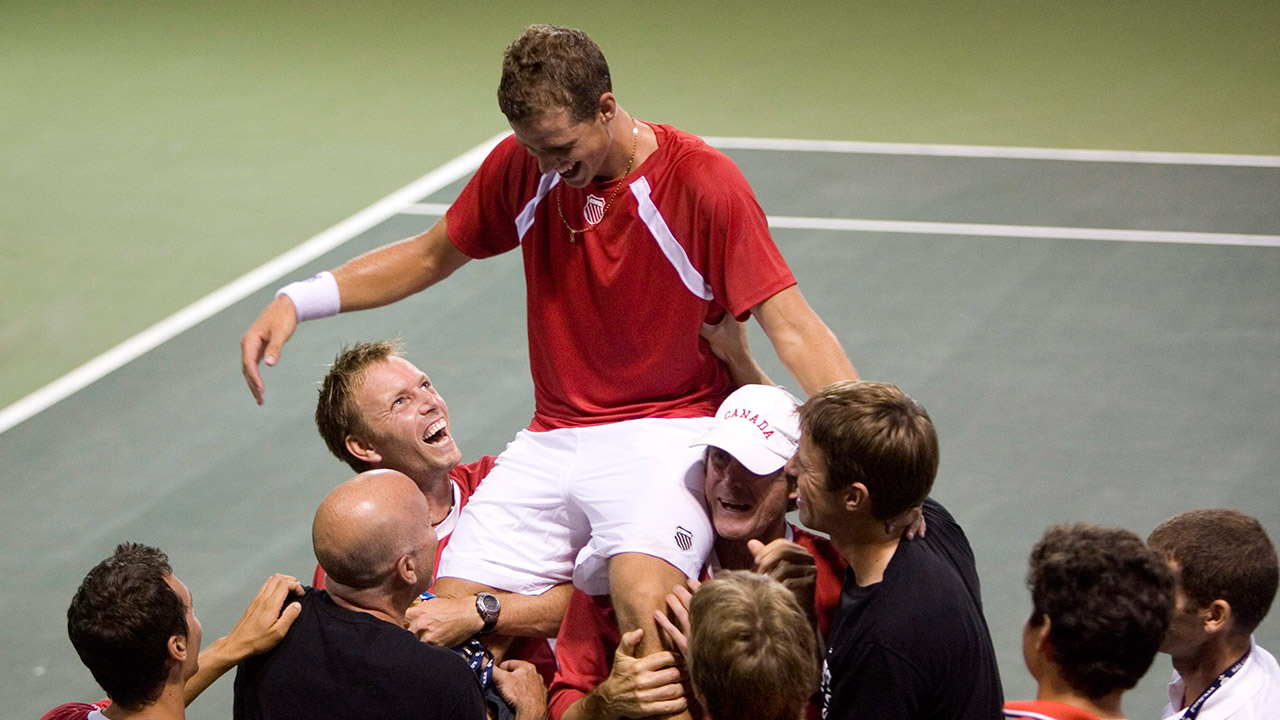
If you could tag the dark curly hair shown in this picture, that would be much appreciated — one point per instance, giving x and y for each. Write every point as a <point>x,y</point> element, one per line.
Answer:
<point>1108,600</point>
<point>1222,555</point>
<point>550,67</point>
<point>120,622</point>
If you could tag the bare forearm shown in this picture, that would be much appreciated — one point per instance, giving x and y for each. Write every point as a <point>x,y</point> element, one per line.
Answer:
<point>395,271</point>
<point>533,615</point>
<point>805,345</point>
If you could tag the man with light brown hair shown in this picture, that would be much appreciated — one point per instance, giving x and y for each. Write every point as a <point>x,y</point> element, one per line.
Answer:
<point>752,651</point>
<point>909,639</point>
<point>1227,574</point>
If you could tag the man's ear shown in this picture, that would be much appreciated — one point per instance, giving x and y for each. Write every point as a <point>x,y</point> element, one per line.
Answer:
<point>361,448</point>
<point>856,497</point>
<point>608,107</point>
<point>178,648</point>
<point>1043,643</point>
<point>407,569</point>
<point>1217,616</point>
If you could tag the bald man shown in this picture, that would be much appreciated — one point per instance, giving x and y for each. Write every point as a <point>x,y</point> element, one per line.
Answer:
<point>348,654</point>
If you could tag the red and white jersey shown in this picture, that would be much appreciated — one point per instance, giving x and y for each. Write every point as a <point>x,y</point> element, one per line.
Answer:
<point>589,633</point>
<point>614,317</point>
<point>78,711</point>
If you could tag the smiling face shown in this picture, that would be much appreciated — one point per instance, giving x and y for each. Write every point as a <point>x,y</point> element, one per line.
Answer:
<point>819,507</point>
<point>407,421</point>
<point>578,150</point>
<point>744,505</point>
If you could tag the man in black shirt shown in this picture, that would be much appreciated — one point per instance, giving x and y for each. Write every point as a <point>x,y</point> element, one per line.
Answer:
<point>909,639</point>
<point>348,654</point>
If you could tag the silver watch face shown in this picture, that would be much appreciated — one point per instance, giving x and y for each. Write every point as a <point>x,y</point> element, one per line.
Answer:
<point>488,606</point>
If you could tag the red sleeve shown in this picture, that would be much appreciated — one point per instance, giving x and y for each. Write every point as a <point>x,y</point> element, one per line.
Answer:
<point>317,578</point>
<point>468,476</point>
<point>831,568</point>
<point>741,261</point>
<point>588,638</point>
<point>537,651</point>
<point>75,710</point>
<point>482,221</point>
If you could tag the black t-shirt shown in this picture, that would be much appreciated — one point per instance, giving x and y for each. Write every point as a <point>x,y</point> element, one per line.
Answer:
<point>915,644</point>
<point>340,663</point>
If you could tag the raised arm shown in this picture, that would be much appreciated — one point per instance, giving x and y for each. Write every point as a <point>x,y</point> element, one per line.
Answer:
<point>805,345</point>
<point>377,278</point>
<point>263,624</point>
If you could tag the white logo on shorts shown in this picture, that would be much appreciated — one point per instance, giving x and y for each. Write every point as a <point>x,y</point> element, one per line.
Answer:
<point>684,538</point>
<point>593,211</point>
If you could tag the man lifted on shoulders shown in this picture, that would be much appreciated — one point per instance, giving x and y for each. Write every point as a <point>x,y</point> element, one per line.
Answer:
<point>633,234</point>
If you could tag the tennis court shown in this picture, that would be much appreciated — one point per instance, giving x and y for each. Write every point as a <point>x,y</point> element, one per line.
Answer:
<point>1095,335</point>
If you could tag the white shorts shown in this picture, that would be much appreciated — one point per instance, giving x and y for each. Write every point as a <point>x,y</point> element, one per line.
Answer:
<point>558,504</point>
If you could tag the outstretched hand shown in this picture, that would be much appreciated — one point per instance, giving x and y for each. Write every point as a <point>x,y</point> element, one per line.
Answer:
<point>263,341</point>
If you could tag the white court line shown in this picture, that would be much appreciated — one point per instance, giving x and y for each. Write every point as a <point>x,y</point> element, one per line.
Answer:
<point>984,151</point>
<point>246,284</point>
<point>980,230</point>
<point>401,201</point>
<point>1021,231</point>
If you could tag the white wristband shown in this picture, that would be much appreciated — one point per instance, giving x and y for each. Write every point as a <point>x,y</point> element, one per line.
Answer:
<point>315,297</point>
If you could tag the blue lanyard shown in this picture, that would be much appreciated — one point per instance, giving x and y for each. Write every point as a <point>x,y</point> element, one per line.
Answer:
<point>1193,709</point>
<point>478,657</point>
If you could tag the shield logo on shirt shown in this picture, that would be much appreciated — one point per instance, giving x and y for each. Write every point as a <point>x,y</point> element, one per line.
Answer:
<point>593,211</point>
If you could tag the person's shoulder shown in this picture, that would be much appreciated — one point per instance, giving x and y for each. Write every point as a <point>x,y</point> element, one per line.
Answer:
<point>468,475</point>
<point>1044,710</point>
<point>77,710</point>
<point>695,158</point>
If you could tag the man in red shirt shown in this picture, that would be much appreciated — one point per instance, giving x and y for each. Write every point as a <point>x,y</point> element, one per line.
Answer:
<point>633,234</point>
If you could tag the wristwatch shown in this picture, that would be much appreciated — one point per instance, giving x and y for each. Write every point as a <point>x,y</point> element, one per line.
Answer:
<point>488,607</point>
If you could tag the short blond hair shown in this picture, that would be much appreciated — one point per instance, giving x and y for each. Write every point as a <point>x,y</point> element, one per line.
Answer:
<point>336,413</point>
<point>752,651</point>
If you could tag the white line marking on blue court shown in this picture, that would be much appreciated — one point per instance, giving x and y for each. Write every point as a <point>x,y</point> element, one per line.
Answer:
<point>250,282</point>
<point>985,151</point>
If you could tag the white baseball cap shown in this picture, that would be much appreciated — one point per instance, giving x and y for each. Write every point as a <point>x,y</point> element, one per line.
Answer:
<point>758,426</point>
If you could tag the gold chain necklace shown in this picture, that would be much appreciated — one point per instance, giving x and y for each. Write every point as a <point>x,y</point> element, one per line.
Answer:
<point>574,233</point>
